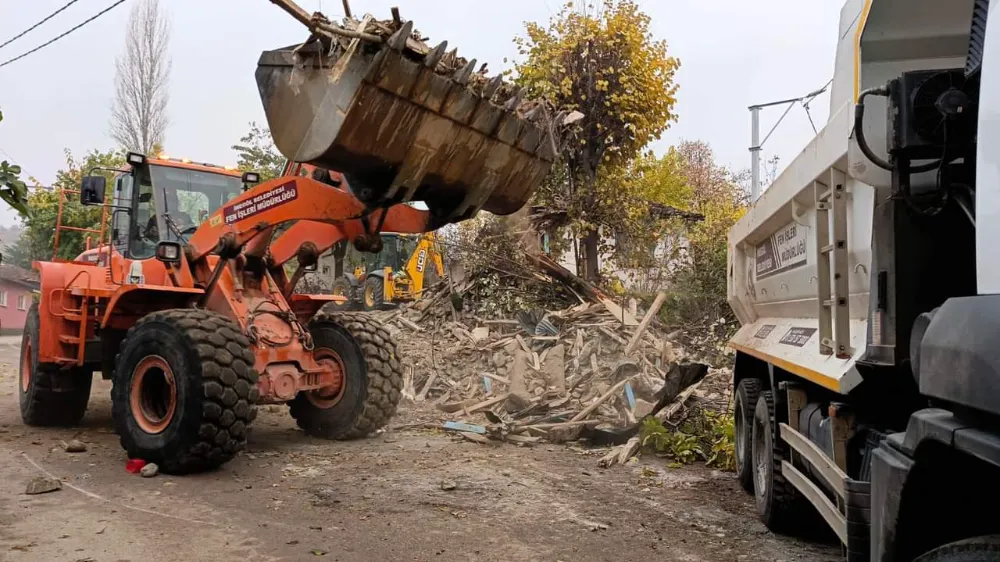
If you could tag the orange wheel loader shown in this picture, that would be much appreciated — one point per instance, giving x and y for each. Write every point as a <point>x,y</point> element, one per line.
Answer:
<point>185,304</point>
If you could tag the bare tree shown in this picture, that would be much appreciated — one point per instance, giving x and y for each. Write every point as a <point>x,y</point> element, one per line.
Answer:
<point>142,76</point>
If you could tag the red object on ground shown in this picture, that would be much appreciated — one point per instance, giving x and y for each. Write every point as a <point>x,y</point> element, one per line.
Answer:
<point>133,466</point>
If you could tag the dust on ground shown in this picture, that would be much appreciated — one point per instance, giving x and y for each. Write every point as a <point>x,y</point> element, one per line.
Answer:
<point>401,495</point>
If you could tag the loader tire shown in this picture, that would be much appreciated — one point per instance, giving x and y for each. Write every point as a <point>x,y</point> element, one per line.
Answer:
<point>372,384</point>
<point>777,501</point>
<point>49,396</point>
<point>747,393</point>
<point>373,294</point>
<point>184,390</point>
<point>342,287</point>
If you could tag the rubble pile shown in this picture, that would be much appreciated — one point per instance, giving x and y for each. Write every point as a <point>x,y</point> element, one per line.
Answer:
<point>591,370</point>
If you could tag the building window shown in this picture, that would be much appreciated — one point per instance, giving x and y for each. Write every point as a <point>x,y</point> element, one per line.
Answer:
<point>22,302</point>
<point>3,298</point>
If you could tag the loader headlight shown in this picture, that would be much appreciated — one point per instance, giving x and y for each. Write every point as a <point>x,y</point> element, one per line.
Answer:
<point>136,159</point>
<point>168,252</point>
<point>251,177</point>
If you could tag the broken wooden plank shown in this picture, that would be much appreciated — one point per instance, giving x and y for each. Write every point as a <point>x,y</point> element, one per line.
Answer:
<point>619,313</point>
<point>408,391</point>
<point>498,378</point>
<point>612,335</point>
<point>409,324</point>
<point>678,403</point>
<point>475,437</point>
<point>523,344</point>
<point>452,407</point>
<point>427,386</point>
<point>604,398</point>
<point>620,454</point>
<point>486,403</point>
<point>650,314</point>
<point>521,439</point>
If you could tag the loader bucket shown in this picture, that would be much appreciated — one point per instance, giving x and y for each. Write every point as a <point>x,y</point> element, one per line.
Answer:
<point>400,129</point>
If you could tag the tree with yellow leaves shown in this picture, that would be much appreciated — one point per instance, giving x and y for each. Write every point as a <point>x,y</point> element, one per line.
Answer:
<point>604,63</point>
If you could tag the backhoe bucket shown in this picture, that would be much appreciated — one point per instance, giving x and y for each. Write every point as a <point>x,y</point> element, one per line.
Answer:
<point>400,129</point>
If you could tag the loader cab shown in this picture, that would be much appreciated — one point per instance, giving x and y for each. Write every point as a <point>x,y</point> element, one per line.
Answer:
<point>164,199</point>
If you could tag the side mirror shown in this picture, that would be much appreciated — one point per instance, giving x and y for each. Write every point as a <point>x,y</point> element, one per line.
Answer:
<point>168,252</point>
<point>92,190</point>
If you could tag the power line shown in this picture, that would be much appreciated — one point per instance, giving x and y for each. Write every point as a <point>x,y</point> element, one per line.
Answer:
<point>58,37</point>
<point>50,16</point>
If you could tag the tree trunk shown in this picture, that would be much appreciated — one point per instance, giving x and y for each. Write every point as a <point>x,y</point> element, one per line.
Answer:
<point>591,260</point>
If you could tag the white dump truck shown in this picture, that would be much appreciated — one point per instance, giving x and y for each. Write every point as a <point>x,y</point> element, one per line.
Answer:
<point>867,282</point>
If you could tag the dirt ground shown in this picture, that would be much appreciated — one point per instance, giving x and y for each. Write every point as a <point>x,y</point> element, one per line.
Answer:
<point>401,495</point>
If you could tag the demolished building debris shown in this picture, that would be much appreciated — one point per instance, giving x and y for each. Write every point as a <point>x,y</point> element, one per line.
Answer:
<point>586,371</point>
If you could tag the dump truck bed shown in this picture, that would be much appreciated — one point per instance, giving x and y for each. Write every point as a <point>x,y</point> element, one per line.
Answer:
<point>773,278</point>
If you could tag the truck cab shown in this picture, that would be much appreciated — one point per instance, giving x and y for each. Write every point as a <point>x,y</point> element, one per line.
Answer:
<point>866,280</point>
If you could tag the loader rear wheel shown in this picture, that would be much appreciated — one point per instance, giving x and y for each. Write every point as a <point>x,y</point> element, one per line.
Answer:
<point>372,379</point>
<point>374,293</point>
<point>777,501</point>
<point>342,287</point>
<point>49,395</point>
<point>747,393</point>
<point>184,390</point>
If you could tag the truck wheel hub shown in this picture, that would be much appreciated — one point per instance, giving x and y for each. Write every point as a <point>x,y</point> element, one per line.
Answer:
<point>761,455</point>
<point>329,395</point>
<point>153,396</point>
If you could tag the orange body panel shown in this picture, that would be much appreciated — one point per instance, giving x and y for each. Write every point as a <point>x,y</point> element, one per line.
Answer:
<point>104,290</point>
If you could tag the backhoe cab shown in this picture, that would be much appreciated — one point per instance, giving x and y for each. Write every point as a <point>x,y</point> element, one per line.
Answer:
<point>400,272</point>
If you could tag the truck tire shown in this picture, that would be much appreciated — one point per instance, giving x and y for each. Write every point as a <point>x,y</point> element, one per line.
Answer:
<point>374,293</point>
<point>776,499</point>
<point>744,404</point>
<point>971,550</point>
<point>372,384</point>
<point>342,287</point>
<point>184,390</point>
<point>49,396</point>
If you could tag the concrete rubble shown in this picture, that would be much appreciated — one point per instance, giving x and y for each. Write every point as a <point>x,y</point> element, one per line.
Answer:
<point>587,371</point>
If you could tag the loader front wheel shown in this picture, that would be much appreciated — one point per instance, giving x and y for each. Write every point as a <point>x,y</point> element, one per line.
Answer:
<point>372,378</point>
<point>374,293</point>
<point>184,390</point>
<point>49,396</point>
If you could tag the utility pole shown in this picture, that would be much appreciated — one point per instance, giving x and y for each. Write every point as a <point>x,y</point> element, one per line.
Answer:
<point>757,144</point>
<point>754,152</point>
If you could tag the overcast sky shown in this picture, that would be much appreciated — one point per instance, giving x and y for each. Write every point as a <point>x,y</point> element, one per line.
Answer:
<point>733,54</point>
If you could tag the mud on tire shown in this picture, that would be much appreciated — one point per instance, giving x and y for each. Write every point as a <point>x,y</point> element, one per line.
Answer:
<point>747,393</point>
<point>778,503</point>
<point>373,293</point>
<point>209,363</point>
<point>342,286</point>
<point>373,377</point>
<point>49,396</point>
